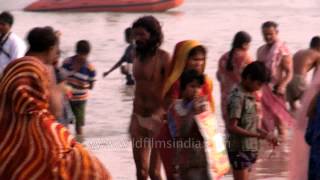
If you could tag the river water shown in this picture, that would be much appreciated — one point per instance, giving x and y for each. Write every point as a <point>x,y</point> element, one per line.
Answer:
<point>213,22</point>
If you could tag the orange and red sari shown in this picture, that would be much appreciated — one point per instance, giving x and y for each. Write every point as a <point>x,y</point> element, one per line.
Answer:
<point>32,144</point>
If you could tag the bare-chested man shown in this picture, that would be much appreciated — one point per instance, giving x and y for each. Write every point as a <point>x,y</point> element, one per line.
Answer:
<point>150,68</point>
<point>303,61</point>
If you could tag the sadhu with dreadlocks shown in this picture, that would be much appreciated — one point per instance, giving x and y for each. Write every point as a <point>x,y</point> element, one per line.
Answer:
<point>150,68</point>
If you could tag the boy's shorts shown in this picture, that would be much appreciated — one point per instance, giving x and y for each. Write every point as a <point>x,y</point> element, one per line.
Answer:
<point>78,109</point>
<point>240,160</point>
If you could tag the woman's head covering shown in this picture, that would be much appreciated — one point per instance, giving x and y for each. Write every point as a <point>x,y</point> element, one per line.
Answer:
<point>32,143</point>
<point>179,62</point>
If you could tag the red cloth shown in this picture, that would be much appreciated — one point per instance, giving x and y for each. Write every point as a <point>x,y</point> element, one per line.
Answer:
<point>274,109</point>
<point>32,144</point>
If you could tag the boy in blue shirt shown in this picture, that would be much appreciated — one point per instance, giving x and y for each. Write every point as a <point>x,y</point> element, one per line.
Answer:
<point>80,75</point>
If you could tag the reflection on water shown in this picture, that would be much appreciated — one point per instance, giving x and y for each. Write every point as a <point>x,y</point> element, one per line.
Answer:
<point>272,163</point>
<point>213,22</point>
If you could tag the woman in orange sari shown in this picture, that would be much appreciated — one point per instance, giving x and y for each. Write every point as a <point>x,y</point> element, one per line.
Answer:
<point>231,65</point>
<point>32,144</point>
<point>189,54</point>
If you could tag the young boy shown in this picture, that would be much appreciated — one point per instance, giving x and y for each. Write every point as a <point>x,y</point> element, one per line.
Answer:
<point>191,158</point>
<point>80,75</point>
<point>243,123</point>
<point>126,58</point>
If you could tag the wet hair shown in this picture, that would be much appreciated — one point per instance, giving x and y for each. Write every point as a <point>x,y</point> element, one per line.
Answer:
<point>196,50</point>
<point>315,42</point>
<point>41,39</point>
<point>190,76</point>
<point>83,47</point>
<point>239,39</point>
<point>256,71</point>
<point>269,24</point>
<point>6,17</point>
<point>151,25</point>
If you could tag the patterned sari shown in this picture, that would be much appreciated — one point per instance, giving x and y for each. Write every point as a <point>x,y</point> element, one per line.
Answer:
<point>32,144</point>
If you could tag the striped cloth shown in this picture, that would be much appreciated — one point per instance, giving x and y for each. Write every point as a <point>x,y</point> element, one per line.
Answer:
<point>32,144</point>
<point>79,81</point>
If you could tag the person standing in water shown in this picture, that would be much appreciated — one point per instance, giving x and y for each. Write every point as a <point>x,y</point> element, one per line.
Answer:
<point>33,144</point>
<point>80,75</point>
<point>126,58</point>
<point>188,55</point>
<point>277,58</point>
<point>304,61</point>
<point>230,66</point>
<point>150,68</point>
<point>243,123</point>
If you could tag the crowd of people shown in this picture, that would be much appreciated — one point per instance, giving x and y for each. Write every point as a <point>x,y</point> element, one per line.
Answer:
<point>33,144</point>
<point>259,97</point>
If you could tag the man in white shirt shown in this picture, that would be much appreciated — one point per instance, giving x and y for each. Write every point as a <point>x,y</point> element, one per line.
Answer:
<point>11,46</point>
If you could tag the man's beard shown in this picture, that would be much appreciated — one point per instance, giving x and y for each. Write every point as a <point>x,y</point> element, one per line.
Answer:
<point>145,50</point>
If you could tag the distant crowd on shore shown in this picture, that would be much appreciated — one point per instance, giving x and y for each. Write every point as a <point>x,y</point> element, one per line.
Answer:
<point>260,99</point>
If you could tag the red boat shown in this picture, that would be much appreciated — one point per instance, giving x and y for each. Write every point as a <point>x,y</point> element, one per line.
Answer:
<point>104,5</point>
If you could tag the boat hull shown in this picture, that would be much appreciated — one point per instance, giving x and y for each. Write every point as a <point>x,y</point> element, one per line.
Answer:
<point>104,5</point>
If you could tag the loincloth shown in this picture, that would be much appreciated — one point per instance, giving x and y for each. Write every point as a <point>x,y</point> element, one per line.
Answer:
<point>296,88</point>
<point>145,126</point>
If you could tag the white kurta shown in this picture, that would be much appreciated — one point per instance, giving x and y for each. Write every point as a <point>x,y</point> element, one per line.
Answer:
<point>15,47</point>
